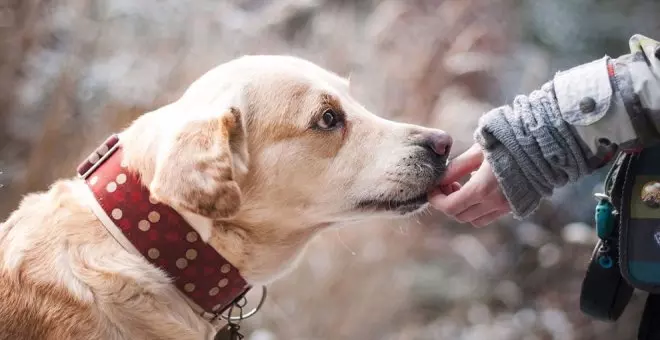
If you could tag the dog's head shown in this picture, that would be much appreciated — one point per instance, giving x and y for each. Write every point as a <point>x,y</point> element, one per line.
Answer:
<point>273,139</point>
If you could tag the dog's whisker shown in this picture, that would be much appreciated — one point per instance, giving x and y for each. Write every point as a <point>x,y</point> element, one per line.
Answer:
<point>403,229</point>
<point>344,243</point>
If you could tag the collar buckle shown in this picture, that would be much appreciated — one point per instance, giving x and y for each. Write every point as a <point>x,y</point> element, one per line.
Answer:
<point>98,156</point>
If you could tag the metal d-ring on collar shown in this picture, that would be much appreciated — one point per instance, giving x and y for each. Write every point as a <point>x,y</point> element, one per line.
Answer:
<point>240,304</point>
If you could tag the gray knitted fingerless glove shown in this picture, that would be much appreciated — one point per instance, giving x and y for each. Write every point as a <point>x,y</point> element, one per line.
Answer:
<point>531,149</point>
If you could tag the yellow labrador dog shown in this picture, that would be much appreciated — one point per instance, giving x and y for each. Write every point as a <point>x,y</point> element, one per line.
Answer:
<point>258,156</point>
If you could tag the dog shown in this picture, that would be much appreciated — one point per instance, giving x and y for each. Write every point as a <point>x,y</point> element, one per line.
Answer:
<point>257,156</point>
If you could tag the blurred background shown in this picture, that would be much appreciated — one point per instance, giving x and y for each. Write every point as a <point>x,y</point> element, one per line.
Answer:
<point>73,71</point>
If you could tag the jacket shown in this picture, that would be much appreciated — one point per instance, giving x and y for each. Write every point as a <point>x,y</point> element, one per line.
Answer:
<point>574,124</point>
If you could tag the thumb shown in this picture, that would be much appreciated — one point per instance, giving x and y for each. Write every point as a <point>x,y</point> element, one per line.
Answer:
<point>463,164</point>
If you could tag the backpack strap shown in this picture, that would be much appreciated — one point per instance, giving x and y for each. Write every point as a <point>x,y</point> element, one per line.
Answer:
<point>605,294</point>
<point>649,327</point>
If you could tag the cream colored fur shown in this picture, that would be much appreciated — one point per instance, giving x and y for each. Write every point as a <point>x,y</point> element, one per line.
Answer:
<point>238,157</point>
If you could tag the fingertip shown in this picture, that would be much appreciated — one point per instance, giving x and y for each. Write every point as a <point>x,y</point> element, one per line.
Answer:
<point>446,189</point>
<point>463,164</point>
<point>455,171</point>
<point>436,198</point>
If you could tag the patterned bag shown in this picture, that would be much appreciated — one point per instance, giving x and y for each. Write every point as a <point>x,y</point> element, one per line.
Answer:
<point>627,255</point>
<point>639,239</point>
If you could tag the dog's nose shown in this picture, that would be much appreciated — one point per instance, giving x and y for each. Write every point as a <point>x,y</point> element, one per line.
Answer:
<point>439,141</point>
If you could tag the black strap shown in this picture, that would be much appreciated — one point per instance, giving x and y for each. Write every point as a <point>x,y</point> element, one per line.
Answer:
<point>649,328</point>
<point>605,293</point>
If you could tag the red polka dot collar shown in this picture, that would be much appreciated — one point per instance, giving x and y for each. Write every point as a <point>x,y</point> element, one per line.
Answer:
<point>159,233</point>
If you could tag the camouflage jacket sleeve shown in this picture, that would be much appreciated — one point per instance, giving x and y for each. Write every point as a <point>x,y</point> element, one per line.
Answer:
<point>573,124</point>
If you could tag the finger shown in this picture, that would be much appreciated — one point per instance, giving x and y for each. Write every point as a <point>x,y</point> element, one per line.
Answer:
<point>448,189</point>
<point>438,196</point>
<point>472,192</point>
<point>463,164</point>
<point>489,218</point>
<point>454,203</point>
<point>475,212</point>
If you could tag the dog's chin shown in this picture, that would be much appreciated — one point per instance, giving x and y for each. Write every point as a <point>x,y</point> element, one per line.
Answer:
<point>399,206</point>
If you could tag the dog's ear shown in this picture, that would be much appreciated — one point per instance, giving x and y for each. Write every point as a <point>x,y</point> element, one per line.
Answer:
<point>195,171</point>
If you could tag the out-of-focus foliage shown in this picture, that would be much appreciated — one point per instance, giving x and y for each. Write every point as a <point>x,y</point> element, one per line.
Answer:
<point>72,71</point>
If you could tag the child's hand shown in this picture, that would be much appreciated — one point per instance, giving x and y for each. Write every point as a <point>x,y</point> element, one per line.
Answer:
<point>480,201</point>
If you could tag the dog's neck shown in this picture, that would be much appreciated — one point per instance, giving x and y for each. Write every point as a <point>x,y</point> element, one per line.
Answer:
<point>264,252</point>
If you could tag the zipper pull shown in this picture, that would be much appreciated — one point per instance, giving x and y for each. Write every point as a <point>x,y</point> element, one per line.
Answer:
<point>604,216</point>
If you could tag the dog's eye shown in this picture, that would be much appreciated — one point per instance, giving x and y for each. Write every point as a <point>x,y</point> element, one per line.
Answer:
<point>329,120</point>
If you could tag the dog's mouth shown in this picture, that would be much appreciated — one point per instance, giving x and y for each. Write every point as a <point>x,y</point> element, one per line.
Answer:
<point>401,206</point>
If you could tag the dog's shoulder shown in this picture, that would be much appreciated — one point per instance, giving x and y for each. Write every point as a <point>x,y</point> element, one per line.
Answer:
<point>31,310</point>
<point>58,262</point>
<point>31,306</point>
